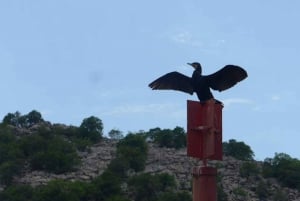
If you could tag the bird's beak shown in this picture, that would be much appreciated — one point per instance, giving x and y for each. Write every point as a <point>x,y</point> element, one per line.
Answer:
<point>191,65</point>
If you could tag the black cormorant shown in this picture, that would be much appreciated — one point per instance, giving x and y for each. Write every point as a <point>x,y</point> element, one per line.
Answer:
<point>221,80</point>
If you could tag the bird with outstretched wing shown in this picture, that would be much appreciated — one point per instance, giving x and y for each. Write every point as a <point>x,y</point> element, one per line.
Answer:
<point>221,80</point>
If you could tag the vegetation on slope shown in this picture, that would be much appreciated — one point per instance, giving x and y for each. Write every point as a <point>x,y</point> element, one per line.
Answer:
<point>54,149</point>
<point>109,186</point>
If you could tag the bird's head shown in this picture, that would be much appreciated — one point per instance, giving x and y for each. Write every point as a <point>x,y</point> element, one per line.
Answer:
<point>196,66</point>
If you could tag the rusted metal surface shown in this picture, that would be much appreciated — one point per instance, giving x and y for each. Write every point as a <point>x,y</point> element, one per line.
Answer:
<point>204,130</point>
<point>204,183</point>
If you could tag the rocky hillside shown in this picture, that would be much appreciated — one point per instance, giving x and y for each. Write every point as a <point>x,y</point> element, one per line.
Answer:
<point>175,162</point>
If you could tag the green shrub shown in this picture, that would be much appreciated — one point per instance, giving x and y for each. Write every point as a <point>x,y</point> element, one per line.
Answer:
<point>91,128</point>
<point>180,196</point>
<point>147,187</point>
<point>8,170</point>
<point>248,169</point>
<point>9,149</point>
<point>133,149</point>
<point>117,198</point>
<point>32,118</point>
<point>32,144</point>
<point>119,166</point>
<point>11,157</point>
<point>106,187</point>
<point>238,150</point>
<point>284,168</point>
<point>18,120</point>
<point>221,195</point>
<point>49,153</point>
<point>82,144</point>
<point>67,131</point>
<point>59,190</point>
<point>72,133</point>
<point>17,193</point>
<point>261,190</point>
<point>59,157</point>
<point>175,138</point>
<point>12,119</point>
<point>115,134</point>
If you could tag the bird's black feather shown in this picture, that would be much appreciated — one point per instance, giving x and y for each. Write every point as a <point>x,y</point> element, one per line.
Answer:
<point>221,80</point>
<point>226,78</point>
<point>173,81</point>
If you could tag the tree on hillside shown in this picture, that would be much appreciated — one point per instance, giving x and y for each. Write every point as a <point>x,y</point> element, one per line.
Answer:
<point>179,137</point>
<point>238,150</point>
<point>11,157</point>
<point>115,134</point>
<point>285,168</point>
<point>175,138</point>
<point>249,169</point>
<point>17,193</point>
<point>91,128</point>
<point>106,187</point>
<point>33,117</point>
<point>28,120</point>
<point>152,133</point>
<point>147,187</point>
<point>133,149</point>
<point>12,118</point>
<point>60,190</point>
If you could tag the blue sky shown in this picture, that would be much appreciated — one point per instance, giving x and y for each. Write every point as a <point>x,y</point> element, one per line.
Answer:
<point>71,59</point>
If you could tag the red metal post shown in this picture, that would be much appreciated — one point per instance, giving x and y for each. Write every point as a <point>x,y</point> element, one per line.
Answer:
<point>204,130</point>
<point>204,134</point>
<point>204,184</point>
